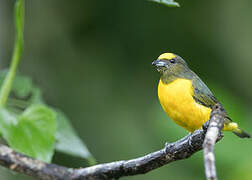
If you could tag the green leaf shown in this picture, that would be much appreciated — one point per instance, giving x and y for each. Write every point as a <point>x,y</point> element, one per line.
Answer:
<point>169,3</point>
<point>67,141</point>
<point>25,94</point>
<point>32,133</point>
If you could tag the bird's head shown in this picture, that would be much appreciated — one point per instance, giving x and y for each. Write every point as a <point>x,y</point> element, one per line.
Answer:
<point>170,64</point>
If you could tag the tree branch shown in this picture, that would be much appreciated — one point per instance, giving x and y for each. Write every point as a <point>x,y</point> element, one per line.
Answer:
<point>180,149</point>
<point>215,126</point>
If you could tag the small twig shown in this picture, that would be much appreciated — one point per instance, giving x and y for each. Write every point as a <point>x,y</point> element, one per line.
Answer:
<point>216,123</point>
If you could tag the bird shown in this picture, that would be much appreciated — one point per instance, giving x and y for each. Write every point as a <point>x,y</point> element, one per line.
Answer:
<point>185,98</point>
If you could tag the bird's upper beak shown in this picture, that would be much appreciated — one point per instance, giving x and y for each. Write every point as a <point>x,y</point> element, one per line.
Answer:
<point>159,63</point>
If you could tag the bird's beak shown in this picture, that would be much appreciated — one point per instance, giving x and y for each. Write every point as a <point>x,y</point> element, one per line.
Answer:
<point>159,63</point>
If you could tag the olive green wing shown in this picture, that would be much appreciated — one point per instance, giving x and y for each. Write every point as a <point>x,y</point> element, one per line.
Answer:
<point>205,97</point>
<point>202,94</point>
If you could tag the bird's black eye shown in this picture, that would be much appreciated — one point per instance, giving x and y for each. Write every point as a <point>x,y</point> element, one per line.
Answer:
<point>172,60</point>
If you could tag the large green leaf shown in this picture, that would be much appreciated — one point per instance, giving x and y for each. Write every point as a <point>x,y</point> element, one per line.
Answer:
<point>67,141</point>
<point>169,3</point>
<point>31,133</point>
<point>25,94</point>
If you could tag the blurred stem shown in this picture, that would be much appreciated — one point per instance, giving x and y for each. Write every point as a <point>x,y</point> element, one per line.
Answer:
<point>17,52</point>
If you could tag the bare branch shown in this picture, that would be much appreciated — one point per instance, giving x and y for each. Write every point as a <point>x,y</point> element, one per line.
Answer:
<point>180,149</point>
<point>216,123</point>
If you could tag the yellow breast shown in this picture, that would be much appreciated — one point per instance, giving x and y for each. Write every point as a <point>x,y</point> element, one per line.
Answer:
<point>177,101</point>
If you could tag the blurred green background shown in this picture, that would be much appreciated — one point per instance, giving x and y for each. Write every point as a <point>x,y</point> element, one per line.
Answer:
<point>92,59</point>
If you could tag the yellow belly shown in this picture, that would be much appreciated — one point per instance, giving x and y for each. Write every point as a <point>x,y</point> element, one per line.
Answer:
<point>177,101</point>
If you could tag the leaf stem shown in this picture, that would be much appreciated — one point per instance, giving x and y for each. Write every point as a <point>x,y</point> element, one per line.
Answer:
<point>17,52</point>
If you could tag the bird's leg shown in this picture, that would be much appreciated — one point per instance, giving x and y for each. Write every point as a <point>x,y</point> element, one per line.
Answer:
<point>205,126</point>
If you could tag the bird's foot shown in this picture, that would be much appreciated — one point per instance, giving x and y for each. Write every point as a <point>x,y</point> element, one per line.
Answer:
<point>190,140</point>
<point>167,144</point>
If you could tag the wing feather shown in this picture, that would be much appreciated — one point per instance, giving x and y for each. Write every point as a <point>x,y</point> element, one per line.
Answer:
<point>202,93</point>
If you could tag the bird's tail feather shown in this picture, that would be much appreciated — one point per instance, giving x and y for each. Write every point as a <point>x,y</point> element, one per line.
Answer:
<point>240,133</point>
<point>233,126</point>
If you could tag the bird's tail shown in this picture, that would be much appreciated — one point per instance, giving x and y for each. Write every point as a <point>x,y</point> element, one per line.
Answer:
<point>232,126</point>
<point>240,133</point>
